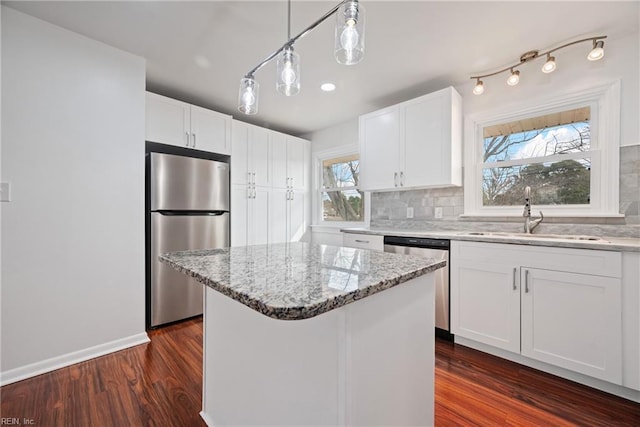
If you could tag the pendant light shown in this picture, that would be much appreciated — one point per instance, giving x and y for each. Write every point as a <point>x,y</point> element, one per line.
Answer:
<point>248,95</point>
<point>349,49</point>
<point>349,34</point>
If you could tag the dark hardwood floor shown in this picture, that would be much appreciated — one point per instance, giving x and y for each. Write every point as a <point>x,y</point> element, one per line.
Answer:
<point>159,384</point>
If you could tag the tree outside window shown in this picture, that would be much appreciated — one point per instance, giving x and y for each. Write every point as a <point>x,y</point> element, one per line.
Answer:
<point>551,154</point>
<point>340,197</point>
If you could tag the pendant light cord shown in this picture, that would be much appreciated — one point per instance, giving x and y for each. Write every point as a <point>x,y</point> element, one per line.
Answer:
<point>288,20</point>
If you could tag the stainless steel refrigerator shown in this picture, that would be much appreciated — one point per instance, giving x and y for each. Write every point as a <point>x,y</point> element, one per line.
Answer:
<point>189,209</point>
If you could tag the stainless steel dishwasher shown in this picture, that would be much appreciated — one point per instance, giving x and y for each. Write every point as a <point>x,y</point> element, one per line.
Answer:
<point>429,248</point>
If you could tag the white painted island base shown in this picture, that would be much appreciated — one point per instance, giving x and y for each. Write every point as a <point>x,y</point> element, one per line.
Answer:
<point>367,363</point>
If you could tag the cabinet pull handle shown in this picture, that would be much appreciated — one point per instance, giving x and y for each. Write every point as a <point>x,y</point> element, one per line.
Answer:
<point>361,241</point>
<point>254,178</point>
<point>395,179</point>
<point>194,140</point>
<point>187,138</point>
<point>254,192</point>
<point>248,177</point>
<point>514,279</point>
<point>526,281</point>
<point>291,183</point>
<point>401,179</point>
<point>248,192</point>
<point>291,191</point>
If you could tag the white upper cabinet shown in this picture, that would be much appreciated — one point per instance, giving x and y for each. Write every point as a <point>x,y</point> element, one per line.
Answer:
<point>174,122</point>
<point>414,144</point>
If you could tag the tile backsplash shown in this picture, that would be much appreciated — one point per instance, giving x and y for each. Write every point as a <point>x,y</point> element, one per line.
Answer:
<point>389,209</point>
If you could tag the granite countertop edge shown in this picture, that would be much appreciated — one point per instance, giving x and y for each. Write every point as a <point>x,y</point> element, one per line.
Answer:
<point>619,244</point>
<point>305,312</point>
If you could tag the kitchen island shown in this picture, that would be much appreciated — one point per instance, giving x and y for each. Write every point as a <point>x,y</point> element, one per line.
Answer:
<point>303,334</point>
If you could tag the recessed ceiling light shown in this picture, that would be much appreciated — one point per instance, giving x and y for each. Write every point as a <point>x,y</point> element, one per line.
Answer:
<point>327,87</point>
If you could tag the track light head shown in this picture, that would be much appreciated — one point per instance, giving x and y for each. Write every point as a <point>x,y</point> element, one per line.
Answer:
<point>550,65</point>
<point>514,78</point>
<point>597,52</point>
<point>478,88</point>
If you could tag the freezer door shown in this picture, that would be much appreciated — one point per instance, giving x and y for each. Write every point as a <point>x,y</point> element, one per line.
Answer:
<point>182,183</point>
<point>174,295</point>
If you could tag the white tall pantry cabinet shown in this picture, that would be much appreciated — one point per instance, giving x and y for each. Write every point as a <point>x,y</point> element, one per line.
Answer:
<point>270,186</point>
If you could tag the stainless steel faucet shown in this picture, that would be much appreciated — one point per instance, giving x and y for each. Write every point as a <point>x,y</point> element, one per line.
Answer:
<point>529,224</point>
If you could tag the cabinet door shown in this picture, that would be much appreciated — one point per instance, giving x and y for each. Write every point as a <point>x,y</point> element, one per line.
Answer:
<point>296,221</point>
<point>573,321</point>
<point>485,303</point>
<point>239,212</point>
<point>379,145</point>
<point>239,153</point>
<point>278,145</point>
<point>210,130</point>
<point>296,161</point>
<point>259,155</point>
<point>278,225</point>
<point>258,233</point>
<point>427,141</point>
<point>167,120</point>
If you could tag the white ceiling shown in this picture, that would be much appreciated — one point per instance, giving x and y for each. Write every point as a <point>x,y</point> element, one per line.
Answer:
<point>412,47</point>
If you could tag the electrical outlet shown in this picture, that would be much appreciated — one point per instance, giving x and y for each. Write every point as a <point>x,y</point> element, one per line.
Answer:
<point>409,212</point>
<point>437,212</point>
<point>5,191</point>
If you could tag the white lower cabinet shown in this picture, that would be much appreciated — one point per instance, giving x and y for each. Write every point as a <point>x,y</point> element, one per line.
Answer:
<point>487,308</point>
<point>538,302</point>
<point>573,321</point>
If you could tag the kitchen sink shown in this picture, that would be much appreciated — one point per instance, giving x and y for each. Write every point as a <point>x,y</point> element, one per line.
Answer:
<point>534,236</point>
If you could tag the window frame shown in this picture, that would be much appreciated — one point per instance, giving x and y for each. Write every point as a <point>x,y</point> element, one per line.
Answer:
<point>604,101</point>
<point>318,158</point>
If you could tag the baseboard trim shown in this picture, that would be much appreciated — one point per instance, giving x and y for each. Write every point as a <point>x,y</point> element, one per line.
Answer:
<point>618,390</point>
<point>48,365</point>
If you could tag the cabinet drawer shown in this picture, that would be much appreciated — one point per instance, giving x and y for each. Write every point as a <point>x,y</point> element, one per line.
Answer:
<point>585,261</point>
<point>363,241</point>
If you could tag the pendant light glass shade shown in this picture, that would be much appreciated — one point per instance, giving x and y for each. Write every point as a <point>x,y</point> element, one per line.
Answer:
<point>248,95</point>
<point>350,33</point>
<point>288,72</point>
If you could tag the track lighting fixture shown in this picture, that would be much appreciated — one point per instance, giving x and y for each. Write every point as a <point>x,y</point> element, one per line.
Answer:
<point>596,53</point>
<point>349,50</point>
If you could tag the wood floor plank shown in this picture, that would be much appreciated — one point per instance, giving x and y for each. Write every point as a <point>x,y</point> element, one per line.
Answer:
<point>160,384</point>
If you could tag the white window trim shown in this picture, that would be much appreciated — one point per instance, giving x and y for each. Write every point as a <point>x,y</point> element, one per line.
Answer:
<point>316,217</point>
<point>605,150</point>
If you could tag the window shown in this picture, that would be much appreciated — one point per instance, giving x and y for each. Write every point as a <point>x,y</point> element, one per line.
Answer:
<point>550,153</point>
<point>566,150</point>
<point>341,201</point>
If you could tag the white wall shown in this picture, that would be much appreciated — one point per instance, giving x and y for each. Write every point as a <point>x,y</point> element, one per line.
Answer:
<point>73,235</point>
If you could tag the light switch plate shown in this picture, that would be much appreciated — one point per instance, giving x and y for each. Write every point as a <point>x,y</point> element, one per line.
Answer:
<point>437,212</point>
<point>409,212</point>
<point>5,191</point>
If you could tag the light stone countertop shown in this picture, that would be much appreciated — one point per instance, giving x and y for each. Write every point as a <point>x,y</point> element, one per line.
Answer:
<point>293,281</point>
<point>619,244</point>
